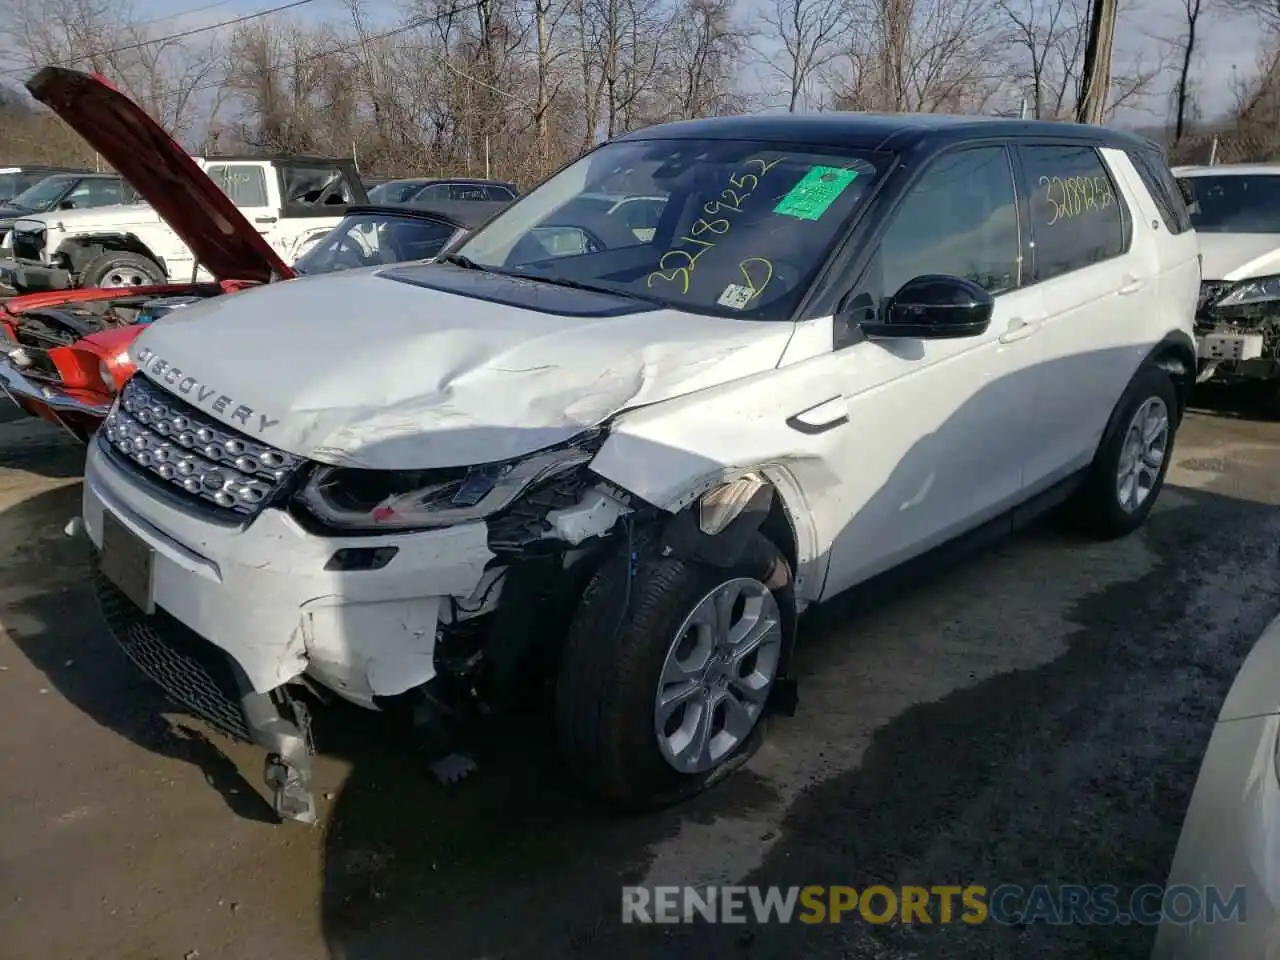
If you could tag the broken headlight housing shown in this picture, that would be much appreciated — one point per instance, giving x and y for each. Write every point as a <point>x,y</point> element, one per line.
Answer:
<point>355,499</point>
<point>1249,293</point>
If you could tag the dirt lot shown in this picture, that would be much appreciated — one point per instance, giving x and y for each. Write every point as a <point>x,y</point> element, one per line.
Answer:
<point>1035,713</point>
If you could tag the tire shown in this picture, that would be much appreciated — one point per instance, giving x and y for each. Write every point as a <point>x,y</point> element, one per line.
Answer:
<point>1097,508</point>
<point>120,268</point>
<point>614,655</point>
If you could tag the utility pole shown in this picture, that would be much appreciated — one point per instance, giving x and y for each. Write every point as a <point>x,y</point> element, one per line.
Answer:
<point>1095,77</point>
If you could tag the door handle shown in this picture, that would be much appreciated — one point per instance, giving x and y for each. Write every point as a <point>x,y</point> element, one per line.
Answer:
<point>264,219</point>
<point>1131,284</point>
<point>1018,329</point>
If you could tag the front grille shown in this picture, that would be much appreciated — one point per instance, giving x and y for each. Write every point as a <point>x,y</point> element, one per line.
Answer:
<point>167,440</point>
<point>28,245</point>
<point>192,672</point>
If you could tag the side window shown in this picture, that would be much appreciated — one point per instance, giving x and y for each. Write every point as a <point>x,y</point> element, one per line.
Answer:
<point>467,191</point>
<point>1077,215</point>
<point>1160,183</point>
<point>245,184</point>
<point>959,219</point>
<point>498,194</point>
<point>100,193</point>
<point>437,191</point>
<point>311,189</point>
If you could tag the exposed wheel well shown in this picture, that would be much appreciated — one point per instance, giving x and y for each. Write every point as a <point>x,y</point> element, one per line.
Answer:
<point>778,528</point>
<point>1176,354</point>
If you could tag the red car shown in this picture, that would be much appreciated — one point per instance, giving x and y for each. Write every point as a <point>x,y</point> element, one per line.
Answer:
<point>63,354</point>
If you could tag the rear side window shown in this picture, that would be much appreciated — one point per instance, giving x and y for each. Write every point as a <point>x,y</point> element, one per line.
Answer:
<point>498,194</point>
<point>1162,186</point>
<point>1077,215</point>
<point>245,184</point>
<point>467,191</point>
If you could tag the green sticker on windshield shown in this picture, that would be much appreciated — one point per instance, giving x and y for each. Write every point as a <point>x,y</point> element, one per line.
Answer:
<point>816,191</point>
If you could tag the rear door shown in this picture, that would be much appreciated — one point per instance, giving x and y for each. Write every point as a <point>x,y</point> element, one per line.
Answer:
<point>247,187</point>
<point>1096,275</point>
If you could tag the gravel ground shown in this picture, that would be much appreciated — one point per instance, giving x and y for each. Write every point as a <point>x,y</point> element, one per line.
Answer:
<point>1034,713</point>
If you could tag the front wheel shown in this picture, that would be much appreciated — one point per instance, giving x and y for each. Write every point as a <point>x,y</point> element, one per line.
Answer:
<point>120,268</point>
<point>663,686</point>
<point>1129,467</point>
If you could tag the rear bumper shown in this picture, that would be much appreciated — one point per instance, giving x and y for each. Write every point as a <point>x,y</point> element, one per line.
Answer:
<point>79,412</point>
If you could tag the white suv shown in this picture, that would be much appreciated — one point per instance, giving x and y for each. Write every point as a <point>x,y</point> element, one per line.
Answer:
<point>626,468</point>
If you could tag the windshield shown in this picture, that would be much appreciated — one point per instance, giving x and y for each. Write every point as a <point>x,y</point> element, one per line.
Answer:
<point>370,239</point>
<point>395,191</point>
<point>1233,203</point>
<point>44,194</point>
<point>729,227</point>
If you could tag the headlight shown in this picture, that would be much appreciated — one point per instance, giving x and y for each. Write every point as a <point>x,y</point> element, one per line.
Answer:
<point>108,378</point>
<point>1247,293</point>
<point>373,500</point>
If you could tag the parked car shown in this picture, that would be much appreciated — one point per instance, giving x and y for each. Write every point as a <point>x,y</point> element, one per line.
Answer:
<point>372,235</point>
<point>292,201</point>
<point>1235,210</point>
<point>64,191</point>
<point>14,180</point>
<point>64,354</point>
<point>1228,845</point>
<point>850,339</point>
<point>446,190</point>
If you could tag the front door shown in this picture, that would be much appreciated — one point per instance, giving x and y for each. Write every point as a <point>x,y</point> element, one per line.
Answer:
<point>937,430</point>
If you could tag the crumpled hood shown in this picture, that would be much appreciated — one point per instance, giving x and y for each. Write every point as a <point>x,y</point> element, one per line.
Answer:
<point>1238,256</point>
<point>363,370</point>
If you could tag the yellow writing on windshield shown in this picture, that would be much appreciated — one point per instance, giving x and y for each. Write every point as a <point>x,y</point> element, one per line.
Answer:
<point>676,266</point>
<point>1071,197</point>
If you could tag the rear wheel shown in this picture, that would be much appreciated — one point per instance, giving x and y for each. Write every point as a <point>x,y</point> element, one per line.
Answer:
<point>1129,468</point>
<point>663,686</point>
<point>121,268</point>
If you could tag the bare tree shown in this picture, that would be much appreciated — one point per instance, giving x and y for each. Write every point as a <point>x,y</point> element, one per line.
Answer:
<point>1186,46</point>
<point>1048,35</point>
<point>811,33</point>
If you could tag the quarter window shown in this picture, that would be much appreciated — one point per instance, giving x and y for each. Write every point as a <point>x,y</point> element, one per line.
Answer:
<point>1164,190</point>
<point>1077,216</point>
<point>245,184</point>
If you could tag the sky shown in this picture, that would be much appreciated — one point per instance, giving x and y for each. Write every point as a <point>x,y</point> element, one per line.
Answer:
<point>1226,41</point>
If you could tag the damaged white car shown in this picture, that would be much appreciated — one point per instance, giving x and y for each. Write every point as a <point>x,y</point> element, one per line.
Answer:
<point>622,462</point>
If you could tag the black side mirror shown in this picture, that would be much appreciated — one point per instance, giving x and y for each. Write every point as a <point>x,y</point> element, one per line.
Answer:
<point>67,205</point>
<point>934,308</point>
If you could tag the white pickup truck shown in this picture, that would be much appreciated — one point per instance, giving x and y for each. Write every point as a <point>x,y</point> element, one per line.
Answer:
<point>293,202</point>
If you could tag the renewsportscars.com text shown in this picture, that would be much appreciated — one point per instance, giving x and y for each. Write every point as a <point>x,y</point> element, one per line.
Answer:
<point>939,904</point>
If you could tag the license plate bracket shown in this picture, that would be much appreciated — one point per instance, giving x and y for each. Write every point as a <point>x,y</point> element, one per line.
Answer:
<point>127,562</point>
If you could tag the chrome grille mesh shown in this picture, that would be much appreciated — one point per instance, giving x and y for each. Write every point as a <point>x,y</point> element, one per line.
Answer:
<point>168,440</point>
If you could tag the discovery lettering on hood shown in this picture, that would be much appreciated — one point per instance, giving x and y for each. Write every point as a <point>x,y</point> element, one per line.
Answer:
<point>160,369</point>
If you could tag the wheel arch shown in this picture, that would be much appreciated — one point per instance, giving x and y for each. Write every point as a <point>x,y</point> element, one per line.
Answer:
<point>1176,354</point>
<point>83,249</point>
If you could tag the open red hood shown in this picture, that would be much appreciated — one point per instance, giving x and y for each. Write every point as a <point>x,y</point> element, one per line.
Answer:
<point>223,241</point>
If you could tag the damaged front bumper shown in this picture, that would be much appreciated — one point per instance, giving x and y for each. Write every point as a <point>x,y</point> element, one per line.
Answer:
<point>225,618</point>
<point>76,412</point>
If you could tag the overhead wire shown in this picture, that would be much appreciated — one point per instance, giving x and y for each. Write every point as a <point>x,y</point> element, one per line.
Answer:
<point>167,38</point>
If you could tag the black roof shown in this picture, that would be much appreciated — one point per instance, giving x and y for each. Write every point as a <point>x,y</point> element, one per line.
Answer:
<point>879,131</point>
<point>427,181</point>
<point>458,213</point>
